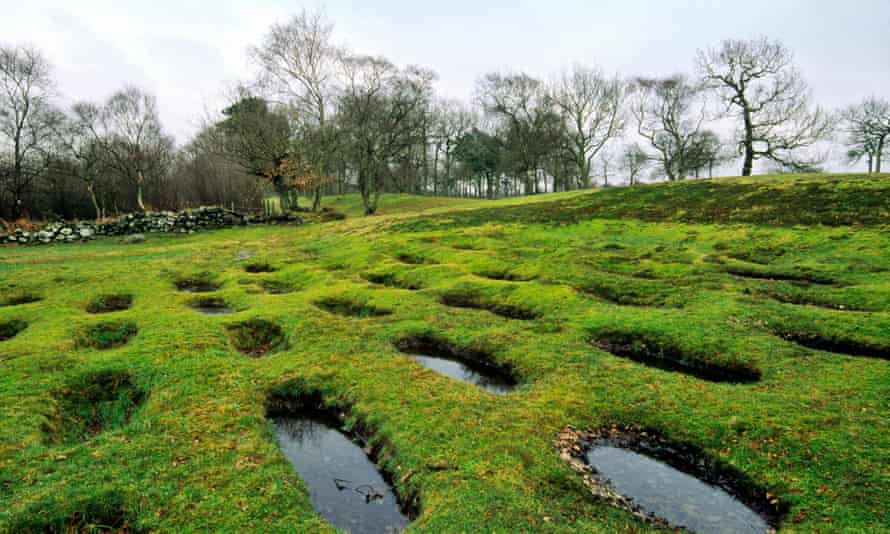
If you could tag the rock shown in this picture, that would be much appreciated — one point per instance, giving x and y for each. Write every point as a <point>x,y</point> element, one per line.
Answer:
<point>134,239</point>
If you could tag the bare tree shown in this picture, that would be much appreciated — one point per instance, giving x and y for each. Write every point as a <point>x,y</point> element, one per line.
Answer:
<point>867,125</point>
<point>381,114</point>
<point>669,113</point>
<point>590,104</point>
<point>28,120</point>
<point>299,64</point>
<point>762,88</point>
<point>705,153</point>
<point>531,128</point>
<point>79,139</point>
<point>133,143</point>
<point>203,174</point>
<point>606,160</point>
<point>634,161</point>
<point>452,120</point>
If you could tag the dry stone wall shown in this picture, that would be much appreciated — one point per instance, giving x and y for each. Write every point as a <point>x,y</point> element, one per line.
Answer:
<point>184,222</point>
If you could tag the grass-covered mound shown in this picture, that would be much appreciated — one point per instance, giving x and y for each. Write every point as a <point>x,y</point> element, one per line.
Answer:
<point>669,266</point>
<point>781,200</point>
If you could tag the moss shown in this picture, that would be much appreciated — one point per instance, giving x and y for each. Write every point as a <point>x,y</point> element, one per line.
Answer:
<point>277,287</point>
<point>94,403</point>
<point>257,337</point>
<point>107,335</point>
<point>201,454</point>
<point>348,307</point>
<point>110,303</point>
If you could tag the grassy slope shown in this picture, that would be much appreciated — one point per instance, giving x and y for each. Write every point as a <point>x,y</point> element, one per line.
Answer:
<point>199,454</point>
<point>406,204</point>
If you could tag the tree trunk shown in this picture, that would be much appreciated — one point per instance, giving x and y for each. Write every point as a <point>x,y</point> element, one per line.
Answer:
<point>92,190</point>
<point>584,170</point>
<point>139,180</point>
<point>436,169</point>
<point>880,155</point>
<point>316,202</point>
<point>748,165</point>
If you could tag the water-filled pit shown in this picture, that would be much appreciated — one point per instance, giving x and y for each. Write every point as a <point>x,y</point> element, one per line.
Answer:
<point>344,484</point>
<point>674,484</point>
<point>212,306</point>
<point>667,493</point>
<point>466,365</point>
<point>459,370</point>
<point>196,285</point>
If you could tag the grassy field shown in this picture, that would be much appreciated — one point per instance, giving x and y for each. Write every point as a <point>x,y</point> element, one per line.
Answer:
<point>749,319</point>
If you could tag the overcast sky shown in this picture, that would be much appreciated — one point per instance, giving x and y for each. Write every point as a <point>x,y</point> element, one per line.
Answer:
<point>187,51</point>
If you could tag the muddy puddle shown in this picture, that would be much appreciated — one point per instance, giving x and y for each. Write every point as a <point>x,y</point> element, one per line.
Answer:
<point>477,375</point>
<point>679,499</point>
<point>344,484</point>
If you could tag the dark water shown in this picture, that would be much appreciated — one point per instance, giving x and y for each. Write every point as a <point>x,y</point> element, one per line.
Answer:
<point>678,498</point>
<point>196,287</point>
<point>345,486</point>
<point>213,311</point>
<point>460,371</point>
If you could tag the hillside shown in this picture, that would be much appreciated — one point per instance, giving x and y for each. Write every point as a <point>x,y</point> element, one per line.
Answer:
<point>743,322</point>
<point>780,200</point>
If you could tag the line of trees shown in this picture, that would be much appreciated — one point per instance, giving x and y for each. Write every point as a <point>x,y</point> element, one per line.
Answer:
<point>318,118</point>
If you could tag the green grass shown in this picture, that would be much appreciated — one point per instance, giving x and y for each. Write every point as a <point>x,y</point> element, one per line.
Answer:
<point>168,433</point>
